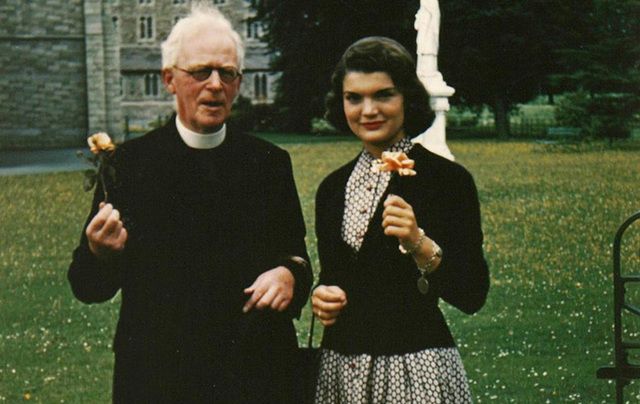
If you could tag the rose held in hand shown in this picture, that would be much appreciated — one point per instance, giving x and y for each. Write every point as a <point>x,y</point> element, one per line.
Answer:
<point>102,148</point>
<point>395,162</point>
<point>100,142</point>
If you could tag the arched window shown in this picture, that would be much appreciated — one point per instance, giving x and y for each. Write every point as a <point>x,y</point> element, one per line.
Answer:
<point>151,84</point>
<point>260,87</point>
<point>146,27</point>
<point>263,86</point>
<point>256,86</point>
<point>254,29</point>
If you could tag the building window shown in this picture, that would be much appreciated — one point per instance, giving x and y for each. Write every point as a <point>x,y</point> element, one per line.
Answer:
<point>151,84</point>
<point>130,86</point>
<point>254,29</point>
<point>146,27</point>
<point>260,87</point>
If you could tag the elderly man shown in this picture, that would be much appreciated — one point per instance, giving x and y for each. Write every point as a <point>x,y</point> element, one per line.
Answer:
<point>204,236</point>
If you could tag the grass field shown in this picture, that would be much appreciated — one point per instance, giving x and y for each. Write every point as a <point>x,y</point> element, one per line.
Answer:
<point>549,218</point>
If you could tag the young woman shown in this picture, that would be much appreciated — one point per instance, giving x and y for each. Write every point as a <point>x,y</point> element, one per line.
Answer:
<point>391,246</point>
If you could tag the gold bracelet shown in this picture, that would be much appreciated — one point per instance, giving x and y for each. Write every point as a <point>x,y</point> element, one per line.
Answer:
<point>416,246</point>
<point>427,268</point>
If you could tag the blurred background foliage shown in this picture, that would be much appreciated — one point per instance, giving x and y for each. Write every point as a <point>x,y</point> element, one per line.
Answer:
<point>497,54</point>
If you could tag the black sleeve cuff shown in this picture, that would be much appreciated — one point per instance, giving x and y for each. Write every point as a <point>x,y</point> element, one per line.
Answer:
<point>301,271</point>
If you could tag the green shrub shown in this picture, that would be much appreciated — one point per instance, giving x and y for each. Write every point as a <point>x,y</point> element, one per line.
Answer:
<point>321,126</point>
<point>248,117</point>
<point>614,114</point>
<point>463,116</point>
<point>572,111</point>
<point>608,115</point>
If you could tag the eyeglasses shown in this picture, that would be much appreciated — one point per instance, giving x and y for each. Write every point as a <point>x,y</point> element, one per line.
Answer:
<point>227,74</point>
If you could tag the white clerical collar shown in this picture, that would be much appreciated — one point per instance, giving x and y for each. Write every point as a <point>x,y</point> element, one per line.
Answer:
<point>201,140</point>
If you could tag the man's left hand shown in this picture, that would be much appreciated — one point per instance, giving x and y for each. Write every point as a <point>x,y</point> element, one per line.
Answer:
<point>273,289</point>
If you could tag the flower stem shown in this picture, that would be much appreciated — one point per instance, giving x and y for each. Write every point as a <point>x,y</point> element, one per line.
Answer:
<point>102,182</point>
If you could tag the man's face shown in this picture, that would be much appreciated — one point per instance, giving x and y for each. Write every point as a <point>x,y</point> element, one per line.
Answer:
<point>203,106</point>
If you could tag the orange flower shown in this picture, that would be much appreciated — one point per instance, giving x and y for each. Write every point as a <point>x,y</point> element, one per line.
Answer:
<point>102,148</point>
<point>100,142</point>
<point>395,161</point>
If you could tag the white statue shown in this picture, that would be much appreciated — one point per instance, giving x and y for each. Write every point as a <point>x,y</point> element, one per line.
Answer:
<point>428,26</point>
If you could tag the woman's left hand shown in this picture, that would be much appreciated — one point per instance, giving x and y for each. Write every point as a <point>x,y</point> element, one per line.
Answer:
<point>398,220</point>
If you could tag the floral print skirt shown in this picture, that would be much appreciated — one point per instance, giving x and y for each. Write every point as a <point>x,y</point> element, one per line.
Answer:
<point>434,375</point>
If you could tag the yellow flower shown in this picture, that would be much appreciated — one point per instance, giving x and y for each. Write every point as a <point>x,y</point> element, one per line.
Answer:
<point>395,161</point>
<point>100,142</point>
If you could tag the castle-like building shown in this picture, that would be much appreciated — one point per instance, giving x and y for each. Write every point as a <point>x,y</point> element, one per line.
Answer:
<point>69,68</point>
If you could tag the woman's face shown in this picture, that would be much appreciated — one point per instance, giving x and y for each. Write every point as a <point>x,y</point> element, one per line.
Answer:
<point>374,109</point>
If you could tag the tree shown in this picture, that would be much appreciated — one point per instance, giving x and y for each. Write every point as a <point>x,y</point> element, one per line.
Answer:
<point>501,52</point>
<point>608,57</point>
<point>495,52</point>
<point>604,69</point>
<point>308,38</point>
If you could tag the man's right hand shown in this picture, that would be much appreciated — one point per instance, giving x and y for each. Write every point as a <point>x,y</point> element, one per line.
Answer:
<point>327,302</point>
<point>106,233</point>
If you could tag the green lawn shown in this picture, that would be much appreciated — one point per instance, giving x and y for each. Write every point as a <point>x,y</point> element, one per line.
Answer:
<point>549,219</point>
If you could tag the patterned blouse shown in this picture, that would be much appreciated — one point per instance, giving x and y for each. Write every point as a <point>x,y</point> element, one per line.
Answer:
<point>364,190</point>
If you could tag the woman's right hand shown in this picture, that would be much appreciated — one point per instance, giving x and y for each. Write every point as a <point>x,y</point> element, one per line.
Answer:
<point>327,302</point>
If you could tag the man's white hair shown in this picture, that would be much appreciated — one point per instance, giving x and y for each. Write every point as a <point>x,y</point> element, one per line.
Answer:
<point>202,15</point>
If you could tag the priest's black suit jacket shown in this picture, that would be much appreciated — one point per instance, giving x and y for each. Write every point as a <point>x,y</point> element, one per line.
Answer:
<point>203,225</point>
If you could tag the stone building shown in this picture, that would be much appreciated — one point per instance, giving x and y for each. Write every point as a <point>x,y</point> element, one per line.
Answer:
<point>69,68</point>
<point>143,24</point>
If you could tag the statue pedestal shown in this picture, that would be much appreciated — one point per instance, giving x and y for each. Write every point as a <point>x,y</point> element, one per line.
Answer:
<point>434,138</point>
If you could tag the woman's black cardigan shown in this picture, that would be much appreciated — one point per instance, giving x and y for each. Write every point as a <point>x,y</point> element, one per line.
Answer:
<point>386,314</point>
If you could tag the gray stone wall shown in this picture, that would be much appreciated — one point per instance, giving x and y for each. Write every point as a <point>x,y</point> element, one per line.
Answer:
<point>42,73</point>
<point>103,69</point>
<point>141,56</point>
<point>69,68</point>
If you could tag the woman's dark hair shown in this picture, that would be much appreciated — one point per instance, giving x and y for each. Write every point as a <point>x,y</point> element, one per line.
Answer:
<point>380,54</point>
